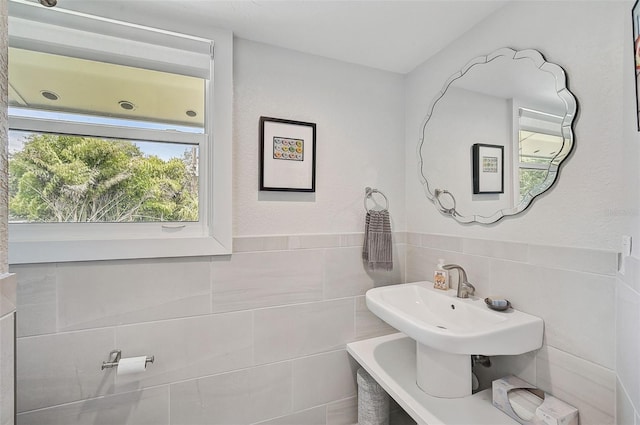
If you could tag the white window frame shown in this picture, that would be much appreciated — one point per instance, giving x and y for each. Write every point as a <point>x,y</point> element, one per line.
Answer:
<point>62,242</point>
<point>545,128</point>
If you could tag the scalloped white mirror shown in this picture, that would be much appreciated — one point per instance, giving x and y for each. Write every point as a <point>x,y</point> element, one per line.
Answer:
<point>495,136</point>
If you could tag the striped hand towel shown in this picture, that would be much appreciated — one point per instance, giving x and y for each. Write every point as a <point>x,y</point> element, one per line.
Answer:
<point>377,251</point>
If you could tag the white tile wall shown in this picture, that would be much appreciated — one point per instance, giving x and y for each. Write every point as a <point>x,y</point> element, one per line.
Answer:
<point>240,397</point>
<point>313,416</point>
<point>323,378</point>
<point>584,260</point>
<point>343,412</point>
<point>572,289</point>
<point>7,375</point>
<point>625,413</point>
<point>496,249</point>
<point>258,243</point>
<point>313,241</point>
<point>439,242</point>
<point>99,294</point>
<point>357,239</point>
<point>345,275</point>
<point>585,385</point>
<point>144,407</point>
<point>263,279</point>
<point>187,348</point>
<point>226,333</point>
<point>266,327</point>
<point>628,342</point>
<point>627,309</point>
<point>577,308</point>
<point>293,331</point>
<point>61,368</point>
<point>421,262</point>
<point>37,298</point>
<point>368,325</point>
<point>631,275</point>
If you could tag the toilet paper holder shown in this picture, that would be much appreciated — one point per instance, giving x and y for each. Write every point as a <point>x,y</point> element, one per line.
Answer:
<point>114,359</point>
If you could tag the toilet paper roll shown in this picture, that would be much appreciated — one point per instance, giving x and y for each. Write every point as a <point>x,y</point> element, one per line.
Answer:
<point>132,365</point>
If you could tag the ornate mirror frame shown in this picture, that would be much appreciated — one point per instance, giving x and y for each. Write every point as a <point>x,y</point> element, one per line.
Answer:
<point>444,200</point>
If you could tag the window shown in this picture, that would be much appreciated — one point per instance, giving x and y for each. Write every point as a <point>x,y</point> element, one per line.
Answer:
<point>540,146</point>
<point>111,153</point>
<point>61,173</point>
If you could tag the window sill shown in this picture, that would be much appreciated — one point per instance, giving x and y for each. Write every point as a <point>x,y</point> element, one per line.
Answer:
<point>30,252</point>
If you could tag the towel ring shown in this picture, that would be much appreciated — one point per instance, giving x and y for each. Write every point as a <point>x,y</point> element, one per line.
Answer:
<point>368,194</point>
<point>443,209</point>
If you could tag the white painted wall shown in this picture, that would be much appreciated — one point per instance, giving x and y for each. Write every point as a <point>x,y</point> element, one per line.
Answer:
<point>630,149</point>
<point>359,115</point>
<point>359,112</point>
<point>628,284</point>
<point>589,204</point>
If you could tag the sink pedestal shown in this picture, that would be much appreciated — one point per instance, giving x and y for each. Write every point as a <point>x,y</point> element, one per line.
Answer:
<point>444,326</point>
<point>443,374</point>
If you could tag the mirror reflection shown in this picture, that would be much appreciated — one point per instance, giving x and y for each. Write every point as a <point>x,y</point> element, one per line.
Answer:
<point>515,108</point>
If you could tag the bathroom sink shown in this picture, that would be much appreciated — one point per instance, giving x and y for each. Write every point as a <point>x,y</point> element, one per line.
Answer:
<point>455,325</point>
<point>448,330</point>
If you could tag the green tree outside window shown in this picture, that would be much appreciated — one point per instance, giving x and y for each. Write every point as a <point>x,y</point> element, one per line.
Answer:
<point>62,178</point>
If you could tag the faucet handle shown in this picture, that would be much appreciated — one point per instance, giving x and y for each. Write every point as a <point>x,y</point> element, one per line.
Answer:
<point>469,288</point>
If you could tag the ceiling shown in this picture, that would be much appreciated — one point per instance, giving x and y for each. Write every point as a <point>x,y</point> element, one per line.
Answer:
<point>392,35</point>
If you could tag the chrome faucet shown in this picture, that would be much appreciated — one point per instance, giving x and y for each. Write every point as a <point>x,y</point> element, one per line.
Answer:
<point>464,287</point>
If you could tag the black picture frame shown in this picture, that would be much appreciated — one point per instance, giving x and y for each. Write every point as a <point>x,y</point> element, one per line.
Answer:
<point>488,168</point>
<point>635,16</point>
<point>287,155</point>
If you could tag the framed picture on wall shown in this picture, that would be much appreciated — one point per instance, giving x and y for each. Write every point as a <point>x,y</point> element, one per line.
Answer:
<point>635,12</point>
<point>488,170</point>
<point>287,155</point>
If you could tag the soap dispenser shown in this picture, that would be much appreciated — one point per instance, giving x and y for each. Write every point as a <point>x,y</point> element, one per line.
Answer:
<point>441,276</point>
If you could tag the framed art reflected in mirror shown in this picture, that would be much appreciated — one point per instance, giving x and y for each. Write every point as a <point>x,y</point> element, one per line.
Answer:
<point>488,169</point>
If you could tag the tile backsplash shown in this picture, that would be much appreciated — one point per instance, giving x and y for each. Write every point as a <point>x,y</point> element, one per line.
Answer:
<point>571,289</point>
<point>8,292</point>
<point>267,327</point>
<point>258,336</point>
<point>627,309</point>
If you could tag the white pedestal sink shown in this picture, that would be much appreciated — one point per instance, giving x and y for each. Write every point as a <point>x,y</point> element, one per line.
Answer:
<point>448,330</point>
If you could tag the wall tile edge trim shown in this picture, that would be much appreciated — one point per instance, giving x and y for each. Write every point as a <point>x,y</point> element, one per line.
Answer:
<point>589,260</point>
<point>304,241</point>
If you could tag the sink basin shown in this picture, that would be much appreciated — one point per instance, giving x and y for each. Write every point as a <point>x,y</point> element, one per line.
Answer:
<point>448,330</point>
<point>455,325</point>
